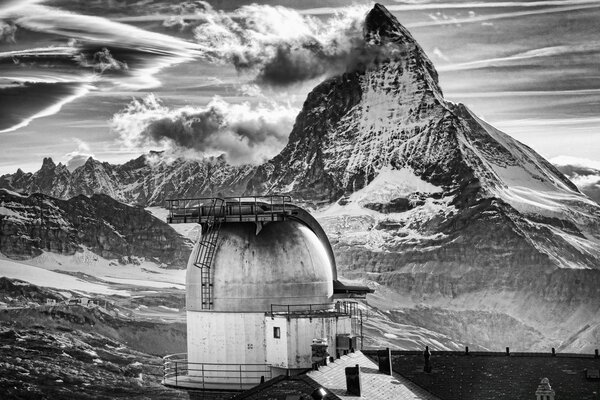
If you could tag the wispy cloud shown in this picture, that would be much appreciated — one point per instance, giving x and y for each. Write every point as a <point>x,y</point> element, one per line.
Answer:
<point>429,5</point>
<point>576,161</point>
<point>518,58</point>
<point>96,50</point>
<point>52,109</point>
<point>583,5</point>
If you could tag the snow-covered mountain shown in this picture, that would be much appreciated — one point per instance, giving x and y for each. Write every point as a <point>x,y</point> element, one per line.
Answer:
<point>415,193</point>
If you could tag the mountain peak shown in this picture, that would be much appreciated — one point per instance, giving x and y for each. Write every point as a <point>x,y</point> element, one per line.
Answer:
<point>382,22</point>
<point>395,43</point>
<point>48,163</point>
<point>90,162</point>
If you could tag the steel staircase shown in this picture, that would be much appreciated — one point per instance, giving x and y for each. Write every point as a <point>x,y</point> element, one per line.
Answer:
<point>208,246</point>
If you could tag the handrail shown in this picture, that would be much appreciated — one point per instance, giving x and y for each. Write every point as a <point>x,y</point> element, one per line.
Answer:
<point>284,196</point>
<point>179,372</point>
<point>349,308</point>
<point>200,208</point>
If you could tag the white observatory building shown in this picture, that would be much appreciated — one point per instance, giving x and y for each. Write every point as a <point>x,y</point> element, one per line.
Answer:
<point>262,295</point>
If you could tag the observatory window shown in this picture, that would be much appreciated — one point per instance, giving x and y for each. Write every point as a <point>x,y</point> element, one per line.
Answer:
<point>276,332</point>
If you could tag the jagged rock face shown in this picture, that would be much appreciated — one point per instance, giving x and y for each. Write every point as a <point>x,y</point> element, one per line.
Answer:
<point>32,224</point>
<point>147,180</point>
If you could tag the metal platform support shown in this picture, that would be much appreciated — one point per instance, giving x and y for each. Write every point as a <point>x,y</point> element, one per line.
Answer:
<point>208,246</point>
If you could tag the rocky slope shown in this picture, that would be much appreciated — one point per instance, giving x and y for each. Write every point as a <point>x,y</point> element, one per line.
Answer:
<point>30,225</point>
<point>415,193</point>
<point>75,352</point>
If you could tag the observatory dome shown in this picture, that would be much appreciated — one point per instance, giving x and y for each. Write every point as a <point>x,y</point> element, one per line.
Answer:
<point>282,263</point>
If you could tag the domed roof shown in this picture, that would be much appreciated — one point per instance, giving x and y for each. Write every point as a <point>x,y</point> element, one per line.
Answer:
<point>283,263</point>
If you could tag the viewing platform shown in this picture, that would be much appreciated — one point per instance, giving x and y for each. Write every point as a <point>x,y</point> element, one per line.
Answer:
<point>178,372</point>
<point>339,309</point>
<point>230,209</point>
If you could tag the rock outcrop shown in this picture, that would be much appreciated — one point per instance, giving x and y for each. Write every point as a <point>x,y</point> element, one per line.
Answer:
<point>30,225</point>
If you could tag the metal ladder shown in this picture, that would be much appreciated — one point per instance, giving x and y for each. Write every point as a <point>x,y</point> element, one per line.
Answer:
<point>208,246</point>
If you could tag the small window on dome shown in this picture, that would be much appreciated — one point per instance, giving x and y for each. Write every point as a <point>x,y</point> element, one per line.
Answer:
<point>276,332</point>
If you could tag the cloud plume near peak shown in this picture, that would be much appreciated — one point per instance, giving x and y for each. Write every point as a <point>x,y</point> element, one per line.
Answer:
<point>242,133</point>
<point>282,46</point>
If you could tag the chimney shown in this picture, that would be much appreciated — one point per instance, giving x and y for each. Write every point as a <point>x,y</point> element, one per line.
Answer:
<point>385,361</point>
<point>544,391</point>
<point>353,386</point>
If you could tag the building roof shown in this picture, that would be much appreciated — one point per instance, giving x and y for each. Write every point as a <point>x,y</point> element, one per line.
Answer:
<point>282,388</point>
<point>344,290</point>
<point>496,376</point>
<point>375,385</point>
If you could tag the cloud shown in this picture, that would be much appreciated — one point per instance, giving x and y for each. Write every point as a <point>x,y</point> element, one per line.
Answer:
<point>7,32</point>
<point>584,173</point>
<point>564,6</point>
<point>281,46</point>
<point>439,54</point>
<point>100,44</point>
<point>576,161</point>
<point>101,61</point>
<point>242,133</point>
<point>79,156</point>
<point>25,102</point>
<point>529,57</point>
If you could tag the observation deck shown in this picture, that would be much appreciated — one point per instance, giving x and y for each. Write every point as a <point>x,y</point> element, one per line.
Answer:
<point>339,309</point>
<point>231,209</point>
<point>180,373</point>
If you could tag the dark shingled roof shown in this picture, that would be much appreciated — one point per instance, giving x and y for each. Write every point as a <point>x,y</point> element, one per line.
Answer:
<point>282,386</point>
<point>496,376</point>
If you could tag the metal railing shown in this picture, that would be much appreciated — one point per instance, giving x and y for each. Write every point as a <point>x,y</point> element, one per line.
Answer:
<point>340,308</point>
<point>189,210</point>
<point>179,372</point>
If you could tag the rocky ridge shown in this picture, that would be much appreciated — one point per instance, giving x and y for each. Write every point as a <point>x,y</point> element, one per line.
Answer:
<point>148,180</point>
<point>30,225</point>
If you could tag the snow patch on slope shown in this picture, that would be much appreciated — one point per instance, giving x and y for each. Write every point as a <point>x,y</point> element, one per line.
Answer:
<point>147,273</point>
<point>391,184</point>
<point>355,225</point>
<point>45,278</point>
<point>190,231</point>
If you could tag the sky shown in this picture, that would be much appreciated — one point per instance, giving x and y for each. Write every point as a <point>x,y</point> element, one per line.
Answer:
<point>114,79</point>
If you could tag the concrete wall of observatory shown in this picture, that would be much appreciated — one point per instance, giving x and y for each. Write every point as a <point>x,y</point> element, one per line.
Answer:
<point>232,338</point>
<point>293,349</point>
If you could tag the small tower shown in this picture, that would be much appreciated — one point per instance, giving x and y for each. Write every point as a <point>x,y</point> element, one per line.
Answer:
<point>544,391</point>
<point>261,294</point>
